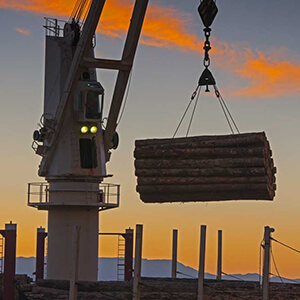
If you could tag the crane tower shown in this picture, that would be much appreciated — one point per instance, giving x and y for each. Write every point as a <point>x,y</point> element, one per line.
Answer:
<point>71,141</point>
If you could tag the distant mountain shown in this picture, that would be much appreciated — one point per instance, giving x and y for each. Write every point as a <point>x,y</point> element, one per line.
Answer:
<point>150,268</point>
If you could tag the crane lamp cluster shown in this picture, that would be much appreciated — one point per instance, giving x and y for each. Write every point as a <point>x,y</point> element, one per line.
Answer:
<point>85,129</point>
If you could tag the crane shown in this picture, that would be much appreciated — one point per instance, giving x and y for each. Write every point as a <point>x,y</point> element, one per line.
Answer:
<point>71,141</point>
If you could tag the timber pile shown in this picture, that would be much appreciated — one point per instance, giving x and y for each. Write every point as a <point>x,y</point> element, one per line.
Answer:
<point>205,168</point>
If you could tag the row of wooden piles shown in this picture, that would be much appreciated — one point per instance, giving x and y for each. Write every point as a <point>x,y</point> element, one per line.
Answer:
<point>205,168</point>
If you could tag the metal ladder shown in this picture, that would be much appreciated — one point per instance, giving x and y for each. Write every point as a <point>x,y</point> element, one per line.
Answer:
<point>1,254</point>
<point>121,258</point>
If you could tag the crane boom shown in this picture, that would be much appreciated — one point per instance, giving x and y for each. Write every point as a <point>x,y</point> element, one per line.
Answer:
<point>123,75</point>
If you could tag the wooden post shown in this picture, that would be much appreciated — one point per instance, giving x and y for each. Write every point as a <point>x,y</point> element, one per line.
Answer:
<point>219,265</point>
<point>128,254</point>
<point>137,262</point>
<point>40,253</point>
<point>10,235</point>
<point>174,253</point>
<point>266,266</point>
<point>201,263</point>
<point>74,264</point>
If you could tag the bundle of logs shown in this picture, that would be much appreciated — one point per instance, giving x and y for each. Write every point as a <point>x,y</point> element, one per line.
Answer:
<point>205,168</point>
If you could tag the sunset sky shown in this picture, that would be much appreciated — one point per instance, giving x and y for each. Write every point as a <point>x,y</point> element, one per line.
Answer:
<point>256,62</point>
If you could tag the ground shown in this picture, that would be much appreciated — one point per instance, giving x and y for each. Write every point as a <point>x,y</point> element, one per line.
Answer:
<point>160,289</point>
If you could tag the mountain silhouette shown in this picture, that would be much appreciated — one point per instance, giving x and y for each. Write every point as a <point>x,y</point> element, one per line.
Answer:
<point>150,268</point>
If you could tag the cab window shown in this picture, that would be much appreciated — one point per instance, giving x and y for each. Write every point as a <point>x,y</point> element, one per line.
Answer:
<point>93,105</point>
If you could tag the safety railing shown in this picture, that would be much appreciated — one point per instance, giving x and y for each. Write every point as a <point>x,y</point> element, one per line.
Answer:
<point>38,192</point>
<point>108,196</point>
<point>54,27</point>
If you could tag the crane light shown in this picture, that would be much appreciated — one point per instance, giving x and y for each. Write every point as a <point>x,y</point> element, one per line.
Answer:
<point>93,129</point>
<point>84,129</point>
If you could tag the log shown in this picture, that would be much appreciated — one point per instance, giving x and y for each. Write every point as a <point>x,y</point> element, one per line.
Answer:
<point>205,168</point>
<point>253,136</point>
<point>200,153</point>
<point>201,180</point>
<point>200,163</point>
<point>253,139</point>
<point>205,172</point>
<point>204,197</point>
<point>220,188</point>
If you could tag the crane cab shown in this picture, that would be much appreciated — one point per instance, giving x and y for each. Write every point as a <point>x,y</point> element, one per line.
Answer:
<point>88,107</point>
<point>88,101</point>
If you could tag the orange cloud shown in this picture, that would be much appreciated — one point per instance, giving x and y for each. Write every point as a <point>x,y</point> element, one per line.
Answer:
<point>163,27</point>
<point>62,8</point>
<point>169,28</point>
<point>22,31</point>
<point>269,76</point>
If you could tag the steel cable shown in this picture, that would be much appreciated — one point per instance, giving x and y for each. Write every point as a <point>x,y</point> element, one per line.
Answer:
<point>238,278</point>
<point>186,110</point>
<point>226,111</point>
<point>126,98</point>
<point>285,245</point>
<point>193,113</point>
<point>274,262</point>
<point>187,275</point>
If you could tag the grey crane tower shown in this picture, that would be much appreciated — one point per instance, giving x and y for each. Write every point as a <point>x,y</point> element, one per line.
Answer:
<point>71,141</point>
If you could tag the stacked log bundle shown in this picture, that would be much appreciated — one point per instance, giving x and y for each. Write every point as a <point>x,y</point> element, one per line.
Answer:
<point>205,168</point>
